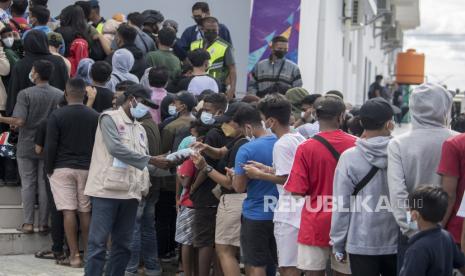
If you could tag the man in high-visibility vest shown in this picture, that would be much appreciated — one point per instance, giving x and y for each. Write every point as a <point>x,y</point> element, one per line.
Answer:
<point>222,64</point>
<point>95,17</point>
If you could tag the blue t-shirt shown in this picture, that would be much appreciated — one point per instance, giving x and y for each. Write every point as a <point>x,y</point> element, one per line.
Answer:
<point>260,150</point>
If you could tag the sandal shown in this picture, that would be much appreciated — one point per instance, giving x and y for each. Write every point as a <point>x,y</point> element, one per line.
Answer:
<point>67,262</point>
<point>46,254</point>
<point>24,230</point>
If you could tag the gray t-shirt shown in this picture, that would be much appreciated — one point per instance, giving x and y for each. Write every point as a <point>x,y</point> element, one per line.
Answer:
<point>33,105</point>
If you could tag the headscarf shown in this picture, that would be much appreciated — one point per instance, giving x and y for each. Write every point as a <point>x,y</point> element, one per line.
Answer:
<point>295,96</point>
<point>83,70</point>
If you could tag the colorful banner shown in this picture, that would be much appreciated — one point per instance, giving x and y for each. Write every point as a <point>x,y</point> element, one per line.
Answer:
<point>271,18</point>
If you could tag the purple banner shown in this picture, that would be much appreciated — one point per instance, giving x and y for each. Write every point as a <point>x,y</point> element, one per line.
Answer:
<point>271,18</point>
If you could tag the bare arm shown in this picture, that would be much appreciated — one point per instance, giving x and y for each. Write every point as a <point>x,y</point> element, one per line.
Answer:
<point>449,184</point>
<point>232,80</point>
<point>240,183</point>
<point>17,122</point>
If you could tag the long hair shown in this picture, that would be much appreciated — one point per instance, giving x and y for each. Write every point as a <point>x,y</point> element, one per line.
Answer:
<point>73,17</point>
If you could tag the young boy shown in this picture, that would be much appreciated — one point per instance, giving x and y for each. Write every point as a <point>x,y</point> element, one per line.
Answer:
<point>370,238</point>
<point>432,251</point>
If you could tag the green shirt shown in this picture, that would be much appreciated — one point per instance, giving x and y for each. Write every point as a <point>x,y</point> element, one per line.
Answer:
<point>167,59</point>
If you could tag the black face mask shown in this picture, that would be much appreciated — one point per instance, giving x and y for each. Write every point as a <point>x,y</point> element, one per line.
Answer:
<point>210,35</point>
<point>198,20</point>
<point>279,53</point>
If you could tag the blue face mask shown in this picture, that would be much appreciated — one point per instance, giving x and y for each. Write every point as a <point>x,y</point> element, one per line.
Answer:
<point>172,110</point>
<point>207,118</point>
<point>139,111</point>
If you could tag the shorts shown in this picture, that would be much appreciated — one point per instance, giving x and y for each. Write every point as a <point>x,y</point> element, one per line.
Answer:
<point>315,258</point>
<point>204,227</point>
<point>228,220</point>
<point>184,222</point>
<point>257,242</point>
<point>286,243</point>
<point>67,187</point>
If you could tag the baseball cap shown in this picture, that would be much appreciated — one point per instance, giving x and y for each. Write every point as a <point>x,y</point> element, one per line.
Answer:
<point>229,114</point>
<point>139,91</point>
<point>186,98</point>
<point>377,111</point>
<point>329,106</point>
<point>152,16</point>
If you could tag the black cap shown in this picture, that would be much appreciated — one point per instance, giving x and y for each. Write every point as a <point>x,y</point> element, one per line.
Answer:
<point>377,110</point>
<point>94,4</point>
<point>230,112</point>
<point>186,98</point>
<point>153,16</point>
<point>139,91</point>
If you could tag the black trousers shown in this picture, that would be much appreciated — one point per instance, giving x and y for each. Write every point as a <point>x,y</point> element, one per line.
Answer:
<point>165,222</point>
<point>366,265</point>
<point>57,230</point>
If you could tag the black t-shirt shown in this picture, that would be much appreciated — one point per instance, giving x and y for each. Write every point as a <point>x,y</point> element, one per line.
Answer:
<point>103,99</point>
<point>70,137</point>
<point>203,196</point>
<point>230,158</point>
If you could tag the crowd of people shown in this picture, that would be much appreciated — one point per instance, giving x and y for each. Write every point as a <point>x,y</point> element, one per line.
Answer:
<point>133,144</point>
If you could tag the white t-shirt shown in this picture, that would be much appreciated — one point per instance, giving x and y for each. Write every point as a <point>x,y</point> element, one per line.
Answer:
<point>309,130</point>
<point>198,84</point>
<point>289,208</point>
<point>461,211</point>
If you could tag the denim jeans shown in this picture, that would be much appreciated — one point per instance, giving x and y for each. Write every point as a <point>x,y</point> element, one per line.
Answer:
<point>144,241</point>
<point>116,217</point>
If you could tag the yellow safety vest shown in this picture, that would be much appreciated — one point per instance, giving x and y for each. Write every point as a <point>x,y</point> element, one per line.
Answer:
<point>100,28</point>
<point>217,52</point>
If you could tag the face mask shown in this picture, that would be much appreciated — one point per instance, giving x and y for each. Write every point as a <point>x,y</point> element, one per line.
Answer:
<point>228,130</point>
<point>8,42</point>
<point>210,35</point>
<point>198,20</point>
<point>207,118</point>
<point>249,137</point>
<point>139,111</point>
<point>30,77</point>
<point>279,53</point>
<point>172,110</point>
<point>412,225</point>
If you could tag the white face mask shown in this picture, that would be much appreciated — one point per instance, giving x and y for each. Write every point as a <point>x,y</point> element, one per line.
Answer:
<point>207,118</point>
<point>30,77</point>
<point>412,225</point>
<point>172,110</point>
<point>8,42</point>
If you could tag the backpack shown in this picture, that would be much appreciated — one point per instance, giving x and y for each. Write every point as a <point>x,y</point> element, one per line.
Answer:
<point>78,50</point>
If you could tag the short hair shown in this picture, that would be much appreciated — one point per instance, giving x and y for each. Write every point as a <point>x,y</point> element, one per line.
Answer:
<point>354,126</point>
<point>210,19</point>
<point>276,106</point>
<point>39,3</point>
<point>431,202</point>
<point>43,68</point>
<point>158,76</point>
<point>101,71</point>
<point>279,38</point>
<point>203,6</point>
<point>378,77</point>
<point>123,86</point>
<point>198,57</point>
<point>329,107</point>
<point>204,93</point>
<point>136,18</point>
<point>310,99</point>
<point>248,115</point>
<point>218,100</point>
<point>201,128</point>
<point>76,87</point>
<point>186,67</point>
<point>6,29</point>
<point>19,7</point>
<point>127,33</point>
<point>41,13</point>
<point>335,93</point>
<point>167,36</point>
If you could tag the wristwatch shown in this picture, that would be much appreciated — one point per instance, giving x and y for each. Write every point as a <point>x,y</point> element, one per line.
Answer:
<point>208,169</point>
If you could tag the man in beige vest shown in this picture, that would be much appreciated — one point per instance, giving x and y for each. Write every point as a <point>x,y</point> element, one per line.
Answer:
<point>118,178</point>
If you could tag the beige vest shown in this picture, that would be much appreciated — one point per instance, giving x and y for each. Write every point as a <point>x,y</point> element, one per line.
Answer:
<point>109,177</point>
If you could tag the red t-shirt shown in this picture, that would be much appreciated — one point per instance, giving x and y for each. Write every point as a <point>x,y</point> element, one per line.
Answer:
<point>453,164</point>
<point>187,169</point>
<point>312,175</point>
